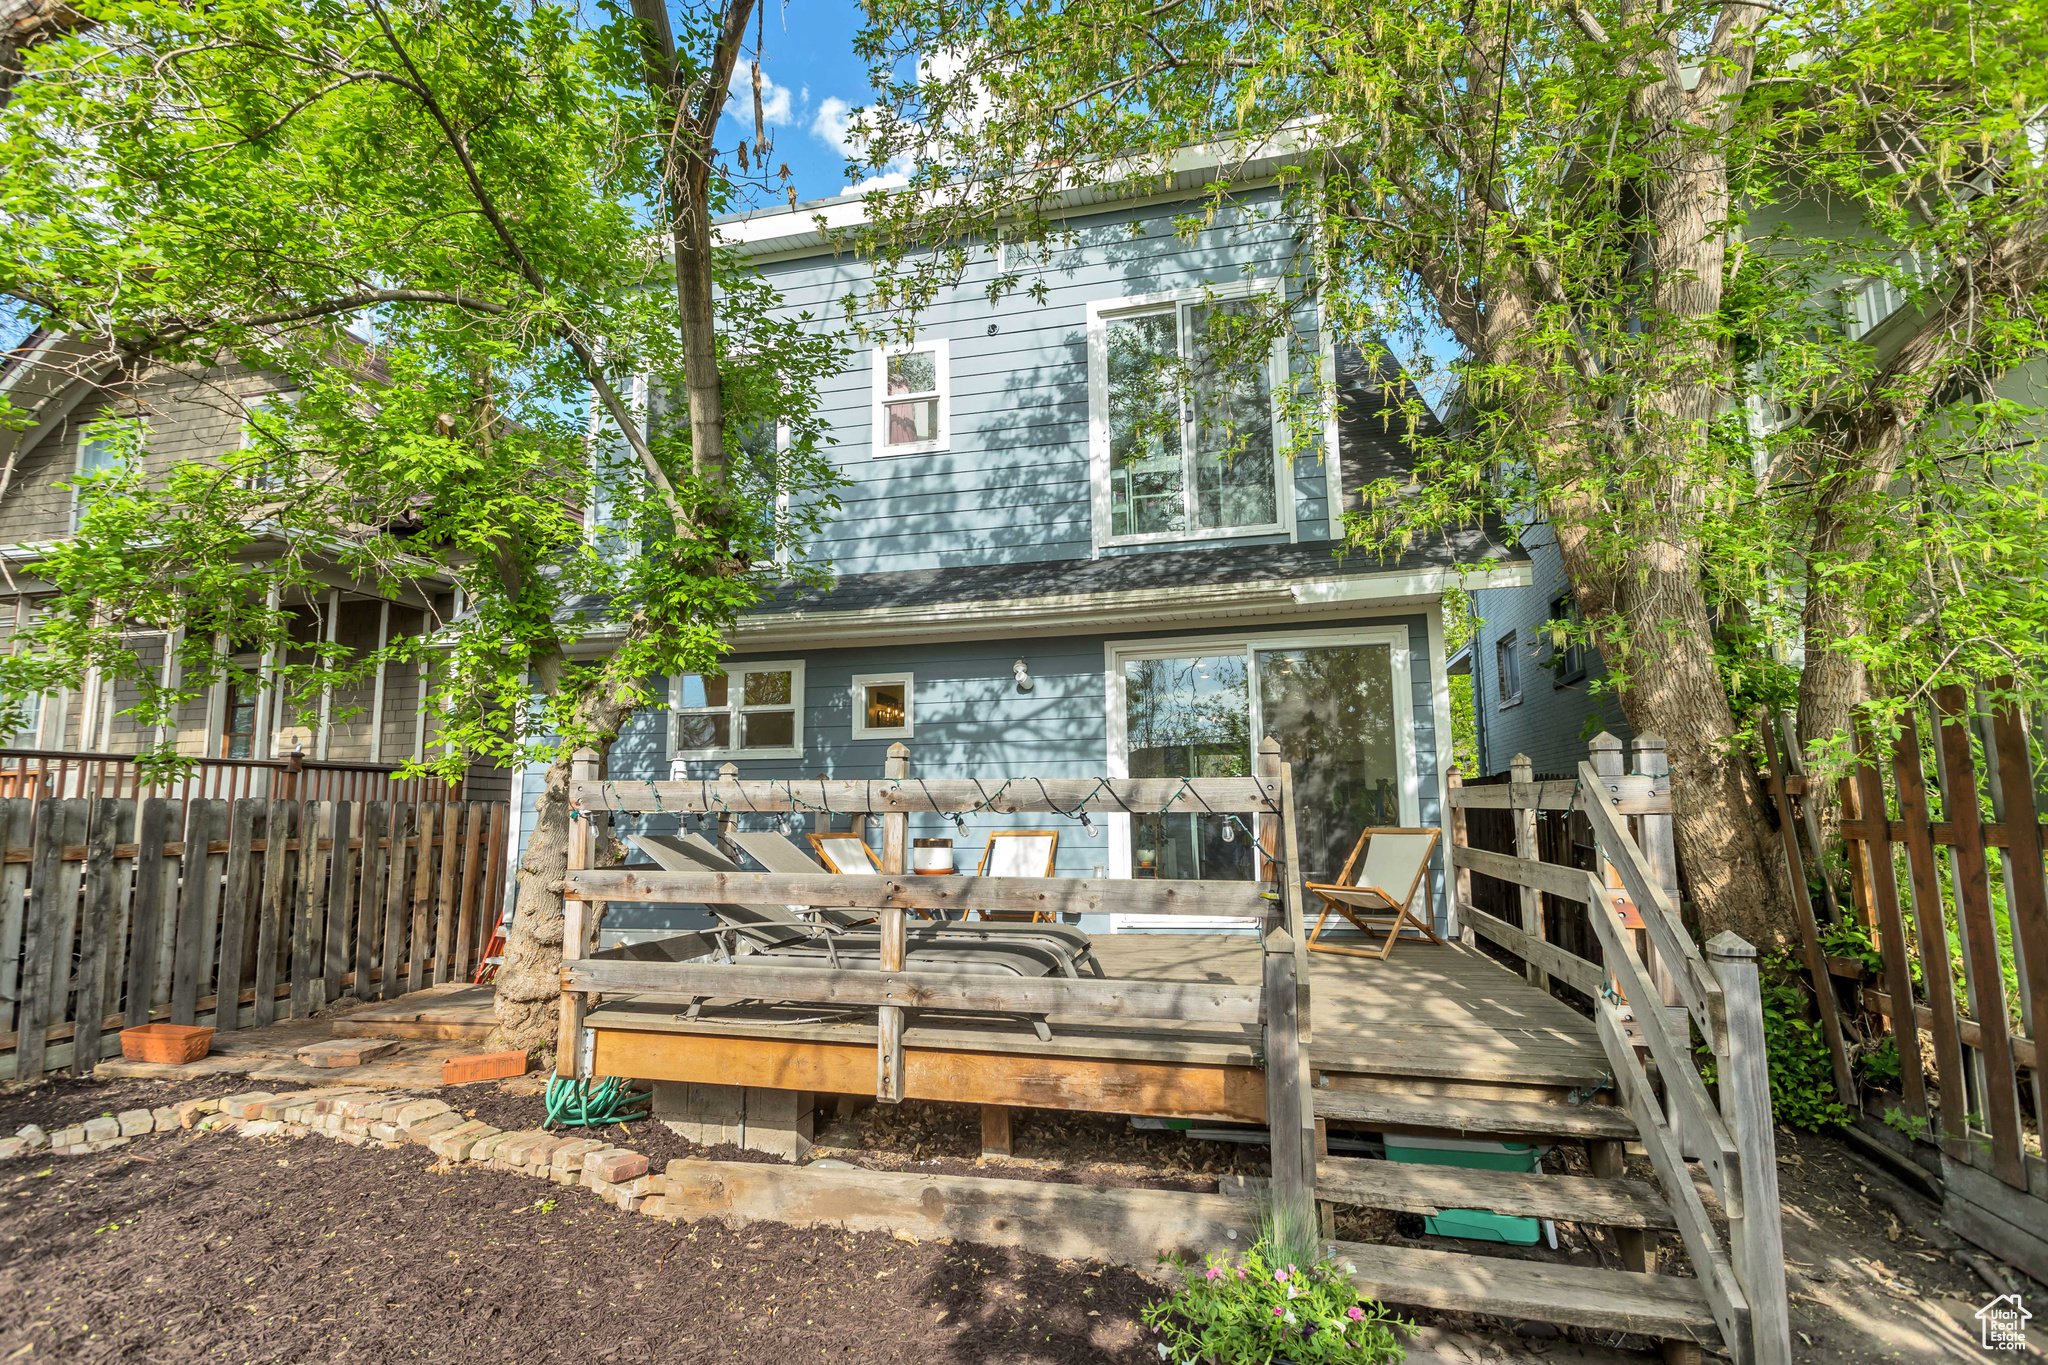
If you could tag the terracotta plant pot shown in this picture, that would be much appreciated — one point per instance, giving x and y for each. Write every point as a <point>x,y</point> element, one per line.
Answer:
<point>171,1044</point>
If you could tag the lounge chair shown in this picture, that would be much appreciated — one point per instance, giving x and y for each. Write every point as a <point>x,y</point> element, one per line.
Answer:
<point>773,931</point>
<point>842,851</point>
<point>778,853</point>
<point>1379,890</point>
<point>1019,853</point>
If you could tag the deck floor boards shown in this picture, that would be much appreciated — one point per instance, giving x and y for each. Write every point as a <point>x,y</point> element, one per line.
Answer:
<point>1443,1012</point>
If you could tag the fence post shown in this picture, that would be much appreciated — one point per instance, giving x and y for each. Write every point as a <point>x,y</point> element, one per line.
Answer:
<point>1460,877</point>
<point>1521,776</point>
<point>889,1018</point>
<point>575,916</point>
<point>1288,1113</point>
<point>728,772</point>
<point>1660,850</point>
<point>1755,1235</point>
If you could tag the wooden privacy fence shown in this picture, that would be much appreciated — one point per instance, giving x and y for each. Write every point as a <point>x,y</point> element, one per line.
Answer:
<point>115,914</point>
<point>1944,838</point>
<point>1650,990</point>
<point>37,773</point>
<point>1279,1005</point>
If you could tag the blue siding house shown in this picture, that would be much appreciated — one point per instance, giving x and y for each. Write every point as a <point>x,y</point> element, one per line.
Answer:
<point>1022,586</point>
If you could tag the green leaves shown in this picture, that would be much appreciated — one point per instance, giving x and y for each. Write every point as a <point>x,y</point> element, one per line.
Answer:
<point>381,244</point>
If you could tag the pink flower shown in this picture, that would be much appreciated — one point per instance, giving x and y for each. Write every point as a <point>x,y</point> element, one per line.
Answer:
<point>1240,1272</point>
<point>1215,1272</point>
<point>1278,1310</point>
<point>1281,1276</point>
<point>1356,1314</point>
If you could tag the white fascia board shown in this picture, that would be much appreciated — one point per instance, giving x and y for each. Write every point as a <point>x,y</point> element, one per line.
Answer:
<point>812,226</point>
<point>1085,613</point>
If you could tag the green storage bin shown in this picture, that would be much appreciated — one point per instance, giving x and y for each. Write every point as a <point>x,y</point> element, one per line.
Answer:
<point>1473,1225</point>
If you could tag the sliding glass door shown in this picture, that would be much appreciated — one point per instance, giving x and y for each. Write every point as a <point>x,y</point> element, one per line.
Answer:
<point>1336,703</point>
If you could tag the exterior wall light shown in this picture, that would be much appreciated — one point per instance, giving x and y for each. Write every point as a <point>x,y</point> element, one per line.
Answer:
<point>1024,680</point>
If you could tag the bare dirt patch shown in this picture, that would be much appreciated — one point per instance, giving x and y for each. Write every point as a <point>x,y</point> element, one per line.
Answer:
<point>211,1248</point>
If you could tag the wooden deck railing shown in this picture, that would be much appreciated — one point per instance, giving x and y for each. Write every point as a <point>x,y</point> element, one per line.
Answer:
<point>1965,898</point>
<point>1279,1004</point>
<point>1650,990</point>
<point>115,913</point>
<point>36,773</point>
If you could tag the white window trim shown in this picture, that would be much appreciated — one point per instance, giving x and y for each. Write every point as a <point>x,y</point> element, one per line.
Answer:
<point>942,362</point>
<point>863,681</point>
<point>1119,652</point>
<point>1100,313</point>
<point>735,705</point>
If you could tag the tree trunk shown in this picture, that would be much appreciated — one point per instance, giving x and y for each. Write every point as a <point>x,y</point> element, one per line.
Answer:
<point>530,979</point>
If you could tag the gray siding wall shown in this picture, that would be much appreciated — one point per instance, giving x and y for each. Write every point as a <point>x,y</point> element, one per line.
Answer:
<point>1550,724</point>
<point>971,722</point>
<point>1014,484</point>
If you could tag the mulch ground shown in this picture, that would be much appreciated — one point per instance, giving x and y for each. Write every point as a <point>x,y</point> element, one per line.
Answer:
<point>187,1247</point>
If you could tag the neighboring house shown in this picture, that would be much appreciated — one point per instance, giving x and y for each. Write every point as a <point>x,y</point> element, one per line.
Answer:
<point>1529,696</point>
<point>1023,588</point>
<point>1534,699</point>
<point>192,416</point>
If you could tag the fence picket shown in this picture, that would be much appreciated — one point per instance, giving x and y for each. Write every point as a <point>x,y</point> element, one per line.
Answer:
<point>167,909</point>
<point>369,896</point>
<point>39,934</point>
<point>472,875</point>
<point>393,947</point>
<point>1931,925</point>
<point>194,944</point>
<point>272,908</point>
<point>235,909</point>
<point>316,824</point>
<point>98,923</point>
<point>444,916</point>
<point>17,831</point>
<point>1891,925</point>
<point>340,873</point>
<point>422,902</point>
<point>1985,978</point>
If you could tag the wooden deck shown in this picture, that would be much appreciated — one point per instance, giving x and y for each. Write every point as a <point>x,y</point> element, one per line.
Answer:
<point>1443,1019</point>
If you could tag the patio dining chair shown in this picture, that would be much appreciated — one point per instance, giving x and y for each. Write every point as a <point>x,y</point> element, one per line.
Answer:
<point>1019,853</point>
<point>1377,889</point>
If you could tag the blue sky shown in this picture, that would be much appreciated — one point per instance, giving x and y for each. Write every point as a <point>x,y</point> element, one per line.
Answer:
<point>817,80</point>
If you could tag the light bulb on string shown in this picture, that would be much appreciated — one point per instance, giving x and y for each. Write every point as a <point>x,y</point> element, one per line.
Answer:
<point>1089,825</point>
<point>1229,831</point>
<point>959,825</point>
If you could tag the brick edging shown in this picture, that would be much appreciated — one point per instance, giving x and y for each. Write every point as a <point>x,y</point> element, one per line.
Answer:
<point>364,1118</point>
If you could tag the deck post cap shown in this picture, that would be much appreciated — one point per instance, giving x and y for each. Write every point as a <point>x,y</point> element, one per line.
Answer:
<point>1729,946</point>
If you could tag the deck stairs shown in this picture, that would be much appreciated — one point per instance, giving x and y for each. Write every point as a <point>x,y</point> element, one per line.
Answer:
<point>1672,1309</point>
<point>1650,988</point>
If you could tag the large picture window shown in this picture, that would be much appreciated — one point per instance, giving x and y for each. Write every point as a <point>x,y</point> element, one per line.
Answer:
<point>753,710</point>
<point>1185,433</point>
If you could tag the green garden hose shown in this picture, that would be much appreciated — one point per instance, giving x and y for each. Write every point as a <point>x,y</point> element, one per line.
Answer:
<point>594,1103</point>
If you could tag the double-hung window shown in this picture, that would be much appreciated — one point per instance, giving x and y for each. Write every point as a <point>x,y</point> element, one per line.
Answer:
<point>103,448</point>
<point>753,710</point>
<point>1185,437</point>
<point>1567,646</point>
<point>913,399</point>
<point>1507,671</point>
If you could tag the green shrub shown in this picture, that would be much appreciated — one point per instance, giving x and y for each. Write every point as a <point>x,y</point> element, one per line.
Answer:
<point>1258,1311</point>
<point>1796,1050</point>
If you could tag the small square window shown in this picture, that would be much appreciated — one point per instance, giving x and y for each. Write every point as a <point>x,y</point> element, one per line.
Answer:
<point>882,705</point>
<point>1507,669</point>
<point>911,399</point>
<point>748,711</point>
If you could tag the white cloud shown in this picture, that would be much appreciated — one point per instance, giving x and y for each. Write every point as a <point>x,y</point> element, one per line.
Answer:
<point>776,101</point>
<point>829,125</point>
